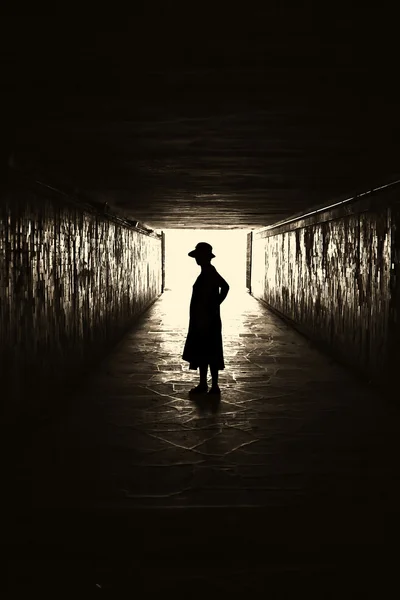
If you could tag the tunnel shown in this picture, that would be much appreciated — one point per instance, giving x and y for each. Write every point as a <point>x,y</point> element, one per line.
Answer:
<point>123,146</point>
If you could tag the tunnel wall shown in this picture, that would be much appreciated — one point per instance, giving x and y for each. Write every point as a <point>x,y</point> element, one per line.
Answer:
<point>394,309</point>
<point>71,282</point>
<point>249,241</point>
<point>332,274</point>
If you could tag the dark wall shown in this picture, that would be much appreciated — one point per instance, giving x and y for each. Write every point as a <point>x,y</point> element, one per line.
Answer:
<point>332,273</point>
<point>394,309</point>
<point>71,282</point>
<point>249,242</point>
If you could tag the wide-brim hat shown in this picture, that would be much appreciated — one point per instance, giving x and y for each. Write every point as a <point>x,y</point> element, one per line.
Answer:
<point>202,249</point>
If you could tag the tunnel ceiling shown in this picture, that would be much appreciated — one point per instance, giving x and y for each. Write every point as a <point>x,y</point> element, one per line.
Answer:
<point>190,121</point>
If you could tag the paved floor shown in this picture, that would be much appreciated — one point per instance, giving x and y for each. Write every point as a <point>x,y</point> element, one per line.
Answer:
<point>291,477</point>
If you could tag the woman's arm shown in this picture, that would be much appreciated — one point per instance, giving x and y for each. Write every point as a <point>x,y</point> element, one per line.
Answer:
<point>224,289</point>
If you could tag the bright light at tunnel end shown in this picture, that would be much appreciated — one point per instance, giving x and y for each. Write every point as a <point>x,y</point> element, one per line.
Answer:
<point>229,247</point>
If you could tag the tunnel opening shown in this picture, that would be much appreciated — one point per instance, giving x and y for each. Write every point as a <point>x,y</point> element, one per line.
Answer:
<point>229,247</point>
<point>181,271</point>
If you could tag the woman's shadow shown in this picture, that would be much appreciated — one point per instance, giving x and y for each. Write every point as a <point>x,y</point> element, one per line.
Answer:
<point>206,403</point>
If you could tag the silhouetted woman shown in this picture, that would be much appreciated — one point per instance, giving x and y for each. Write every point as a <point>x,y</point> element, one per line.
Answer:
<point>203,347</point>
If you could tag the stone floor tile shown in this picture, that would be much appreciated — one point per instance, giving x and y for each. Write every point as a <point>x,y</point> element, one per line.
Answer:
<point>294,435</point>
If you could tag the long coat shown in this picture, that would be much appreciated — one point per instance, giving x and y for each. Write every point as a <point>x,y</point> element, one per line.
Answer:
<point>204,339</point>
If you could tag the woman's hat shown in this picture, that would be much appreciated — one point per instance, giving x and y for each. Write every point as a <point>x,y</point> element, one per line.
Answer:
<point>202,249</point>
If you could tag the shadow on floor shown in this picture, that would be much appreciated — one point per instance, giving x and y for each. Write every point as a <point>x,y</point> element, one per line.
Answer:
<point>290,483</point>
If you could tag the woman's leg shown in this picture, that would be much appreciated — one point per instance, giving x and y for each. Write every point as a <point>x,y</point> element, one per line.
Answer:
<point>214,376</point>
<point>202,387</point>
<point>203,374</point>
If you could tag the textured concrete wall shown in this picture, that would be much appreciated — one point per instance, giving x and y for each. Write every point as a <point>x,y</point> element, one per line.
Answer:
<point>249,241</point>
<point>394,310</point>
<point>70,284</point>
<point>332,276</point>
